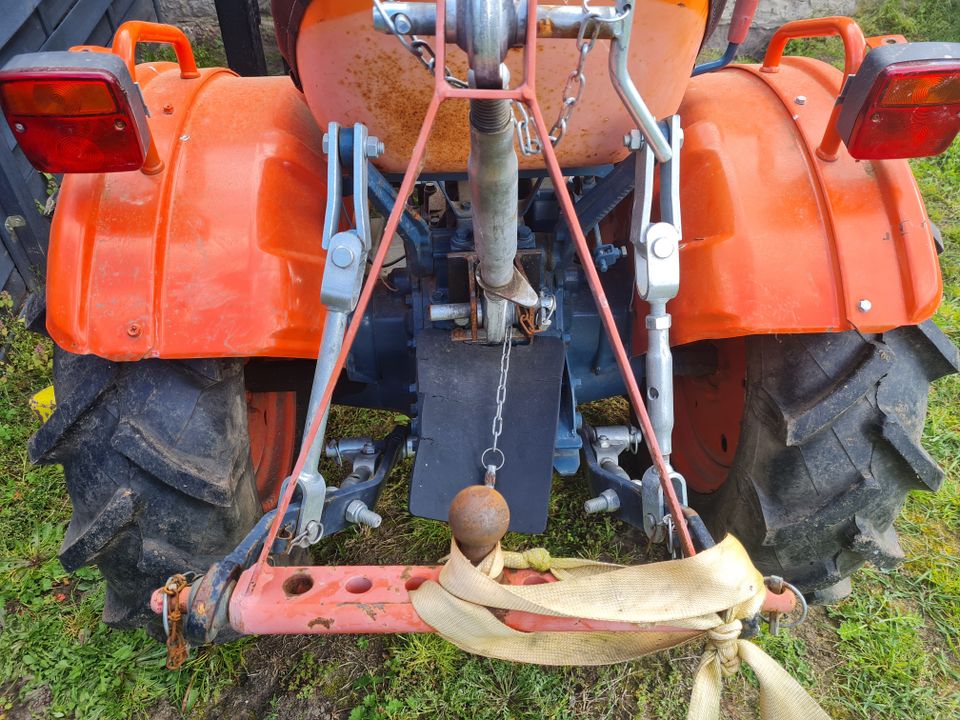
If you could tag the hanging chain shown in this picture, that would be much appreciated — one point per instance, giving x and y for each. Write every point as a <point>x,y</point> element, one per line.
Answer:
<point>497,458</point>
<point>416,46</point>
<point>572,91</point>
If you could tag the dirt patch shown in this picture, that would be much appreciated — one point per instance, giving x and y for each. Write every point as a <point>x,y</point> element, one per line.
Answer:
<point>33,704</point>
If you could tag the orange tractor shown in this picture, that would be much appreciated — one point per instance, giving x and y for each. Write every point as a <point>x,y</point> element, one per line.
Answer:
<point>480,214</point>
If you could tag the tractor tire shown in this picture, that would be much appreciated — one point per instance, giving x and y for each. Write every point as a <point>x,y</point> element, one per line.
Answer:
<point>157,461</point>
<point>829,447</point>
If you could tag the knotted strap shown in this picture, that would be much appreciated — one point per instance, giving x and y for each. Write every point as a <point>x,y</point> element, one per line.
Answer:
<point>680,600</point>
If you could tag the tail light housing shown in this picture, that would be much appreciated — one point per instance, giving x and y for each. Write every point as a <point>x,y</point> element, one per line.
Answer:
<point>903,102</point>
<point>75,112</point>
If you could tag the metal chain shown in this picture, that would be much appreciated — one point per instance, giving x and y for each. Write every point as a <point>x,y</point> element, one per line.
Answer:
<point>572,91</point>
<point>416,46</point>
<point>497,428</point>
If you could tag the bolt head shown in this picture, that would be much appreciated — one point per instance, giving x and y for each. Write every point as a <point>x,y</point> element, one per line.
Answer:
<point>168,109</point>
<point>119,124</point>
<point>19,127</point>
<point>134,330</point>
<point>342,256</point>
<point>326,143</point>
<point>864,305</point>
<point>800,99</point>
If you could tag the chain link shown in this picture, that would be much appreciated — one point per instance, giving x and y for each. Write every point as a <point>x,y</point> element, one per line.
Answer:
<point>572,90</point>
<point>497,428</point>
<point>527,138</point>
<point>418,47</point>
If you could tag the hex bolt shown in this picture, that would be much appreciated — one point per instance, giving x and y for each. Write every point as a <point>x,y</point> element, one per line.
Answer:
<point>606,502</point>
<point>359,514</point>
<point>633,140</point>
<point>374,147</point>
<point>864,305</point>
<point>800,99</point>
<point>342,256</point>
<point>168,109</point>
<point>368,449</point>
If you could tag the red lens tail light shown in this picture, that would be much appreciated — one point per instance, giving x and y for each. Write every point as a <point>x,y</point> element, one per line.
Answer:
<point>903,102</point>
<point>75,112</point>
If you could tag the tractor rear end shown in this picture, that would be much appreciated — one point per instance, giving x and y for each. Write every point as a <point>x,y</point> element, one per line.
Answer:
<point>743,253</point>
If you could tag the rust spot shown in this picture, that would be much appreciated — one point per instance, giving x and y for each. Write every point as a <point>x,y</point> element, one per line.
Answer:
<point>200,609</point>
<point>326,622</point>
<point>368,609</point>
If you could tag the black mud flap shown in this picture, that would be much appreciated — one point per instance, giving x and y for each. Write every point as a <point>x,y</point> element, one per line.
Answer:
<point>457,394</point>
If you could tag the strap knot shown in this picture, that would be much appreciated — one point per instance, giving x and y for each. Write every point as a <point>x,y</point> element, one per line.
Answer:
<point>724,640</point>
<point>537,559</point>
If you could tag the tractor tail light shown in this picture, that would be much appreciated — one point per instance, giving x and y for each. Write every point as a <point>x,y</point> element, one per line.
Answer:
<point>75,112</point>
<point>903,102</point>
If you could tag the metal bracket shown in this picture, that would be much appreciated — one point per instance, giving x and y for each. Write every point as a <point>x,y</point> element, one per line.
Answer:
<point>343,276</point>
<point>654,506</point>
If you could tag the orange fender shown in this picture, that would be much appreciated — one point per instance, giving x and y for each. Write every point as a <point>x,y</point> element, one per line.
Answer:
<point>778,240</point>
<point>218,253</point>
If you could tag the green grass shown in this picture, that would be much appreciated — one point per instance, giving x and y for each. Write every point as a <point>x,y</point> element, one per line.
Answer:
<point>890,651</point>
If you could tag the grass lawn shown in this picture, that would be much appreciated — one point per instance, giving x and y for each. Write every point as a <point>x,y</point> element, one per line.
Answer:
<point>890,651</point>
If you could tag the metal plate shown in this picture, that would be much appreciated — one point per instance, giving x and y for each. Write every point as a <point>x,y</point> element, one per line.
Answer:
<point>457,389</point>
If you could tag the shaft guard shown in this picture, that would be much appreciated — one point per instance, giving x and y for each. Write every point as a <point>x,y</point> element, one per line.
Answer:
<point>218,254</point>
<point>776,240</point>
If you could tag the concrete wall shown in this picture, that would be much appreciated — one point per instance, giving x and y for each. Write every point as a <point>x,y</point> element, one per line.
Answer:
<point>771,14</point>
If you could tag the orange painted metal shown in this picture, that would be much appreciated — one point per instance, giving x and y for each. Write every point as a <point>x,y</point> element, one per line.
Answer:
<point>776,240</point>
<point>376,600</point>
<point>372,79</point>
<point>217,255</point>
<point>272,427</point>
<point>854,46</point>
<point>707,412</point>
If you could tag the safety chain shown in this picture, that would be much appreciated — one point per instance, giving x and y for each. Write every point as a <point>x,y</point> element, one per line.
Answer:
<point>490,478</point>
<point>572,90</point>
<point>416,46</point>
<point>172,615</point>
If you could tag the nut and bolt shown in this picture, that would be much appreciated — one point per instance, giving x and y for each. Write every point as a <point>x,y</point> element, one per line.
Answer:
<point>342,256</point>
<point>359,514</point>
<point>864,305</point>
<point>168,109</point>
<point>633,140</point>
<point>605,502</point>
<point>369,449</point>
<point>800,99</point>
<point>373,147</point>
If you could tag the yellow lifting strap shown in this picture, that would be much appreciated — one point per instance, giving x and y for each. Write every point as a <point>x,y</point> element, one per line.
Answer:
<point>705,596</point>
